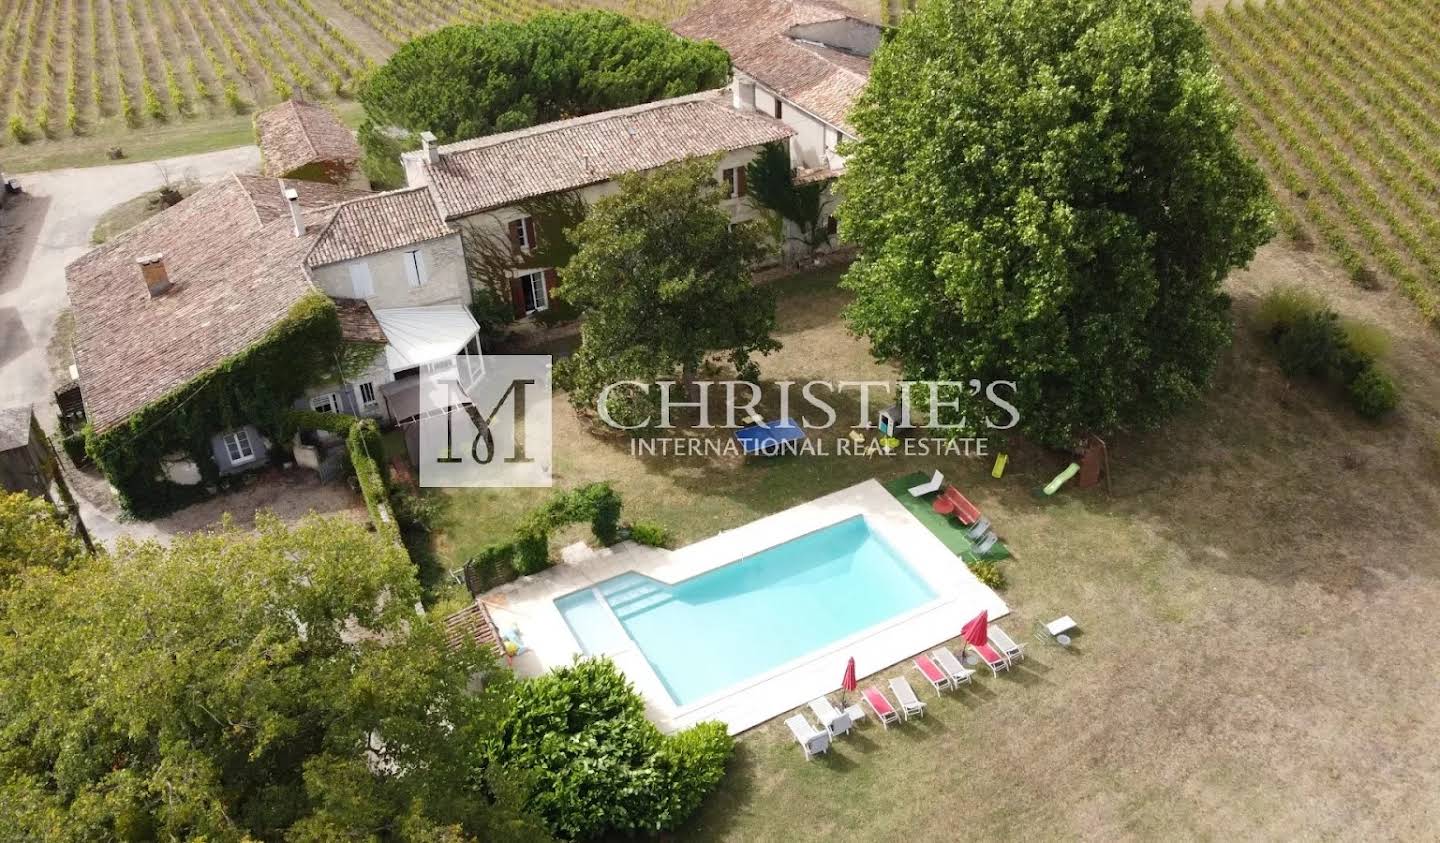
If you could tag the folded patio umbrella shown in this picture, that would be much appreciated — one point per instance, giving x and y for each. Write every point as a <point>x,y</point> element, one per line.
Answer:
<point>847,682</point>
<point>977,631</point>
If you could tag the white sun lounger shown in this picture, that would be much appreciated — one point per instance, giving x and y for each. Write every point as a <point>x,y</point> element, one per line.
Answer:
<point>835,721</point>
<point>933,485</point>
<point>952,665</point>
<point>814,741</point>
<point>981,528</point>
<point>1002,640</point>
<point>910,704</point>
<point>985,544</point>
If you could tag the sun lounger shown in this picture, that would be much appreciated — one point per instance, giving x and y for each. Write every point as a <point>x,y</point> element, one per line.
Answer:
<point>985,544</point>
<point>961,507</point>
<point>835,721</point>
<point>979,529</point>
<point>952,666</point>
<point>993,659</point>
<point>909,703</point>
<point>938,679</point>
<point>1005,644</point>
<point>884,711</point>
<point>814,741</point>
<point>936,481</point>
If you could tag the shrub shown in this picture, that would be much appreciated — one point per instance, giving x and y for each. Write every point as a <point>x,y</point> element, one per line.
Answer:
<point>1372,393</point>
<point>591,765</point>
<point>532,547</point>
<point>603,507</point>
<point>1286,305</point>
<point>1312,346</point>
<point>649,534</point>
<point>337,423</point>
<point>18,130</point>
<point>1369,341</point>
<point>987,572</point>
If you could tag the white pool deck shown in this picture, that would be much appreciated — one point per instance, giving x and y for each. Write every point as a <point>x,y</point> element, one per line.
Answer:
<point>529,604</point>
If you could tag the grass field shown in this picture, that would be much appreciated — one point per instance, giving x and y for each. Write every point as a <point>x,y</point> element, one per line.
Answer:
<point>1342,101</point>
<point>1257,596</point>
<point>117,69</point>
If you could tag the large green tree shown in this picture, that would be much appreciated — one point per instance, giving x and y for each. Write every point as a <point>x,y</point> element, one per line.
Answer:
<point>465,81</point>
<point>665,282</point>
<point>1049,192</point>
<point>234,686</point>
<point>33,533</point>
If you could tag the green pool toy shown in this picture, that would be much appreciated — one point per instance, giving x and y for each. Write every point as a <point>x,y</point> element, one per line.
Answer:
<point>1062,478</point>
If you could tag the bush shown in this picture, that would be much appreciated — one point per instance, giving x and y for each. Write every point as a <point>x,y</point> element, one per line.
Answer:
<point>649,534</point>
<point>337,423</point>
<point>987,572</point>
<point>591,765</point>
<point>602,505</point>
<point>1372,393</point>
<point>1286,305</point>
<point>73,441</point>
<point>1368,341</point>
<point>1312,346</point>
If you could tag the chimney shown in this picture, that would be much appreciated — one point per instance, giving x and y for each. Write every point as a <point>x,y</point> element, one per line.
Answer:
<point>292,198</point>
<point>743,93</point>
<point>432,152</point>
<point>152,269</point>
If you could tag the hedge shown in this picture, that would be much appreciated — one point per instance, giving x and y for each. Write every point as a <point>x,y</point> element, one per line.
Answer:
<point>367,456</point>
<point>529,551</point>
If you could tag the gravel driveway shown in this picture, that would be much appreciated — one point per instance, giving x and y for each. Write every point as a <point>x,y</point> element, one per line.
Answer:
<point>44,230</point>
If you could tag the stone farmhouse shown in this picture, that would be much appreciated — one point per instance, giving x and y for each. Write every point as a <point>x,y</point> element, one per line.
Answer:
<point>175,297</point>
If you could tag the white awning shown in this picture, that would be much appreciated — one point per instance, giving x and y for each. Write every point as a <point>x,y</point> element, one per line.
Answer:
<point>420,335</point>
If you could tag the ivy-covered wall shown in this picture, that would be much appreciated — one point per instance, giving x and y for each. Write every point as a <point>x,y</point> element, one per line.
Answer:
<point>256,386</point>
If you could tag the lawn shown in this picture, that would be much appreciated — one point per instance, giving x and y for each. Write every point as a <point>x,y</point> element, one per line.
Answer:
<point>1256,600</point>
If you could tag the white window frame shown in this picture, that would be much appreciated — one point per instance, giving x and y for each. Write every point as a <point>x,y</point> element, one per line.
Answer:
<point>331,398</point>
<point>535,281</point>
<point>414,261</point>
<point>374,402</point>
<point>362,284</point>
<point>238,442</point>
<point>524,230</point>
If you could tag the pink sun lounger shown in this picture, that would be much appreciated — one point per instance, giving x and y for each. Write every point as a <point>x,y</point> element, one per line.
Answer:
<point>938,679</point>
<point>884,711</point>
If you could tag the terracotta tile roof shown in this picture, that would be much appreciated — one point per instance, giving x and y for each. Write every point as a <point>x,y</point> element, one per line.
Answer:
<point>503,169</point>
<point>378,223</point>
<point>358,322</point>
<point>757,33</point>
<point>294,134</point>
<point>231,253</point>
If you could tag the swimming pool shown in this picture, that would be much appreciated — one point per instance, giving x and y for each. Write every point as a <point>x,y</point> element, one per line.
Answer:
<point>743,619</point>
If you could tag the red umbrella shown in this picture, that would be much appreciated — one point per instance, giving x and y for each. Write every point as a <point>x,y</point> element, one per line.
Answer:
<point>977,631</point>
<point>847,682</point>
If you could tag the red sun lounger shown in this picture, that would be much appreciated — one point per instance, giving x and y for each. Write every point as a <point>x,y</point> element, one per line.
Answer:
<point>967,512</point>
<point>884,711</point>
<point>992,658</point>
<point>938,679</point>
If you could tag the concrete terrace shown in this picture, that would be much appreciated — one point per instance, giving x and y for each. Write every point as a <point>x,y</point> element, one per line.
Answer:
<point>530,605</point>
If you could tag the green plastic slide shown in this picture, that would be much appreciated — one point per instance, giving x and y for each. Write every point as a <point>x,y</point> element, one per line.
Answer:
<point>1062,478</point>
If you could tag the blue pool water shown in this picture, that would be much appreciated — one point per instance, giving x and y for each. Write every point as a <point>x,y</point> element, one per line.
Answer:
<point>745,618</point>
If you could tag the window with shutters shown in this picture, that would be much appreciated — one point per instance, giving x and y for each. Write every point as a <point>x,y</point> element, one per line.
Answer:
<point>532,287</point>
<point>362,286</point>
<point>779,108</point>
<point>522,233</point>
<point>328,403</point>
<point>734,180</point>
